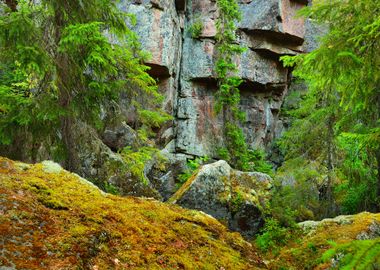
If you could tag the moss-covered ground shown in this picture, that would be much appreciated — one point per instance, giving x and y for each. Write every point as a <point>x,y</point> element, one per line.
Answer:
<point>311,249</point>
<point>55,220</point>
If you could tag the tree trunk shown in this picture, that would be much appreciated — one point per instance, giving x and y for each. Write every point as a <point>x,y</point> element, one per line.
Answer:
<point>12,4</point>
<point>67,121</point>
<point>65,90</point>
<point>330,167</point>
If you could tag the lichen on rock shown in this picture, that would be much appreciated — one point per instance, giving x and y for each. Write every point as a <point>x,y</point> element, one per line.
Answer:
<point>234,197</point>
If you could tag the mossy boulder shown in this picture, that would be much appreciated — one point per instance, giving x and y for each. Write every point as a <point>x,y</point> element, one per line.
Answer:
<point>53,219</point>
<point>234,197</point>
<point>343,242</point>
<point>98,163</point>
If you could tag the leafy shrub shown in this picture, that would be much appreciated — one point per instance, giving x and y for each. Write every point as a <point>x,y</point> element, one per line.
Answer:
<point>196,28</point>
<point>296,187</point>
<point>192,166</point>
<point>357,190</point>
<point>273,235</point>
<point>258,163</point>
<point>224,154</point>
<point>110,188</point>
<point>136,160</point>
<point>237,201</point>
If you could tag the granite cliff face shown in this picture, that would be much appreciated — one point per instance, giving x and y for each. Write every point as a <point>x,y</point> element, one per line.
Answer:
<point>184,67</point>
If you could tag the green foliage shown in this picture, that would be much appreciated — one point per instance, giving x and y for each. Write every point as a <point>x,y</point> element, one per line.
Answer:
<point>196,28</point>
<point>136,160</point>
<point>337,123</point>
<point>361,254</point>
<point>251,160</point>
<point>273,236</point>
<point>110,188</point>
<point>238,150</point>
<point>296,191</point>
<point>257,162</point>
<point>312,247</point>
<point>150,120</point>
<point>228,95</point>
<point>223,153</point>
<point>236,201</point>
<point>357,188</point>
<point>192,166</point>
<point>61,63</point>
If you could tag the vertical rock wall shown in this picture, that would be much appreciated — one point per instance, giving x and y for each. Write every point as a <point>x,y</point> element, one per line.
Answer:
<point>184,67</point>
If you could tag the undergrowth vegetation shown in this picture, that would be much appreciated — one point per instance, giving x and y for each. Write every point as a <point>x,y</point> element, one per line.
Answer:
<point>192,167</point>
<point>360,255</point>
<point>196,28</point>
<point>331,244</point>
<point>274,236</point>
<point>137,160</point>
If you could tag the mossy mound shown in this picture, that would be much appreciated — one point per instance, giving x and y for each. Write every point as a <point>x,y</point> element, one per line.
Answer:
<point>344,242</point>
<point>52,219</point>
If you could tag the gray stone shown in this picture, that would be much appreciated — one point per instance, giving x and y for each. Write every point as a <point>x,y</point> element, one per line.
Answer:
<point>158,30</point>
<point>268,30</point>
<point>198,59</point>
<point>120,136</point>
<point>165,181</point>
<point>274,18</point>
<point>257,69</point>
<point>266,44</point>
<point>313,34</point>
<point>310,226</point>
<point>233,197</point>
<point>372,232</point>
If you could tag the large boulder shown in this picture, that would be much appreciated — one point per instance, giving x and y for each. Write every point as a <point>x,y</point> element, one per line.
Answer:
<point>120,136</point>
<point>234,197</point>
<point>97,162</point>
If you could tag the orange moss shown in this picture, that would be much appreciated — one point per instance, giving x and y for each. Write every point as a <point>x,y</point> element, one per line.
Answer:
<point>57,221</point>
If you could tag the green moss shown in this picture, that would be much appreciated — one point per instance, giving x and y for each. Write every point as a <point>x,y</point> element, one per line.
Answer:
<point>107,231</point>
<point>46,196</point>
<point>136,160</point>
<point>196,28</point>
<point>360,255</point>
<point>330,240</point>
<point>236,201</point>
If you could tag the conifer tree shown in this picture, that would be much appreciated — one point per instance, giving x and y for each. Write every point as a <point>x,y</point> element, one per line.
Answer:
<point>344,74</point>
<point>61,61</point>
